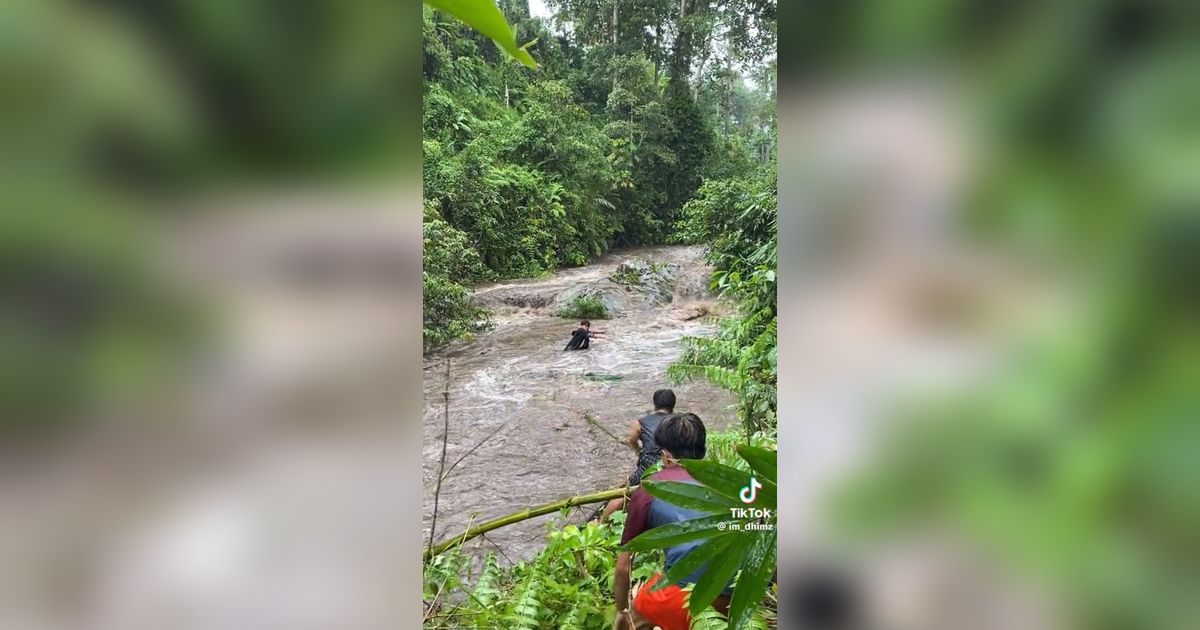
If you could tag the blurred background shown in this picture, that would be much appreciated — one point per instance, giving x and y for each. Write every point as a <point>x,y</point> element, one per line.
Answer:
<point>210,306</point>
<point>991,220</point>
<point>210,314</point>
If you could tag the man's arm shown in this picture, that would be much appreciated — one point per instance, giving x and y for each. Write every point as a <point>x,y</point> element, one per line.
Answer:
<point>635,524</point>
<point>621,581</point>
<point>633,437</point>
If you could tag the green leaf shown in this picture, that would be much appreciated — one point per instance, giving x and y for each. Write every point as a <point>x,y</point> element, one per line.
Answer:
<point>675,533</point>
<point>752,584</point>
<point>696,558</point>
<point>690,496</point>
<point>762,461</point>
<point>723,479</point>
<point>718,573</point>
<point>709,620</point>
<point>485,17</point>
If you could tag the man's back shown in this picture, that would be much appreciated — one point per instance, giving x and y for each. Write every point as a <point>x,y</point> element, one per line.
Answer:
<point>650,451</point>
<point>646,513</point>
<point>649,424</point>
<point>579,339</point>
<point>680,437</point>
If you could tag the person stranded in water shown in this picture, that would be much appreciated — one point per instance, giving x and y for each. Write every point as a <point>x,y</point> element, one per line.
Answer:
<point>581,337</point>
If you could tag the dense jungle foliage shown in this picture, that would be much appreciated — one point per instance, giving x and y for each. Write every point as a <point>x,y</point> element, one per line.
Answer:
<point>601,146</point>
<point>737,219</point>
<point>648,122</point>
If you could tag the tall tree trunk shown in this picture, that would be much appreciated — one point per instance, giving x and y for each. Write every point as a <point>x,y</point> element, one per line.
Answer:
<point>680,56</point>
<point>657,51</point>
<point>614,23</point>
<point>700,73</point>
<point>614,38</point>
<point>728,90</point>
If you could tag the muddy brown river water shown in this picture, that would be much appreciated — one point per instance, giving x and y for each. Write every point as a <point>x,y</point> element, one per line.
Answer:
<point>525,402</point>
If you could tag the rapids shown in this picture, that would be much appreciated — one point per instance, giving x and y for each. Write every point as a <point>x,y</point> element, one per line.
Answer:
<point>535,411</point>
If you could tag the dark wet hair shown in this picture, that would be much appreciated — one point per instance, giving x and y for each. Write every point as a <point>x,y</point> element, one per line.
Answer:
<point>585,323</point>
<point>664,399</point>
<point>683,435</point>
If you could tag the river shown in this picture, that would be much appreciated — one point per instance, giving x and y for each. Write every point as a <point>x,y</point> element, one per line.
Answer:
<point>539,419</point>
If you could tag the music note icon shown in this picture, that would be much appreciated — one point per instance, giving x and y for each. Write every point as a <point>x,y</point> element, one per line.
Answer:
<point>751,490</point>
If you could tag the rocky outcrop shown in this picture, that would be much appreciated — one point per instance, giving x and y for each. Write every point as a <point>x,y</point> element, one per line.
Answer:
<point>635,283</point>
<point>654,279</point>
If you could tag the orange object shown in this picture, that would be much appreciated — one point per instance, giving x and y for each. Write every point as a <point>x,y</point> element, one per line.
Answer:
<point>664,608</point>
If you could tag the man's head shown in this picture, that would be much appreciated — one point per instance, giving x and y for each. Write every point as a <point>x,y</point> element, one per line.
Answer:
<point>664,399</point>
<point>585,323</point>
<point>682,436</point>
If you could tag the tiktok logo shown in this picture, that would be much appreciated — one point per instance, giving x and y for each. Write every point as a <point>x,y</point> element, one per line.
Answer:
<point>750,492</point>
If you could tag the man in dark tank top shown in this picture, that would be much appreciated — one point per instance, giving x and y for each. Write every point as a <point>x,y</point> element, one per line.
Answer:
<point>641,439</point>
<point>641,435</point>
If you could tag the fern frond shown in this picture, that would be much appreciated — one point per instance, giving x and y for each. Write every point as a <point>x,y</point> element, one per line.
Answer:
<point>487,586</point>
<point>709,619</point>
<point>528,604</point>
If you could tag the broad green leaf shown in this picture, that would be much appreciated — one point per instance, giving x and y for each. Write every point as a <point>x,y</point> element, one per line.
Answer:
<point>696,558</point>
<point>723,479</point>
<point>690,496</point>
<point>675,533</point>
<point>766,495</point>
<point>752,584</point>
<point>485,17</point>
<point>717,575</point>
<point>762,461</point>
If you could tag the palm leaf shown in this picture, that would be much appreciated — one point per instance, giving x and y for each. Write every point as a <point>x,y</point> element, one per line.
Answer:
<point>761,460</point>
<point>718,574</point>
<point>675,533</point>
<point>725,480</point>
<point>752,584</point>
<point>485,17</point>
<point>690,496</point>
<point>696,558</point>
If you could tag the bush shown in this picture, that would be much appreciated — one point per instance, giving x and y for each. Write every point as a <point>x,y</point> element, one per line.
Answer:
<point>449,263</point>
<point>737,219</point>
<point>447,312</point>
<point>625,276</point>
<point>567,585</point>
<point>583,307</point>
<point>447,252</point>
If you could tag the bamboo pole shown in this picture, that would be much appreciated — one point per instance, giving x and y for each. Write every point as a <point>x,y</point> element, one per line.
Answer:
<point>592,421</point>
<point>526,514</point>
